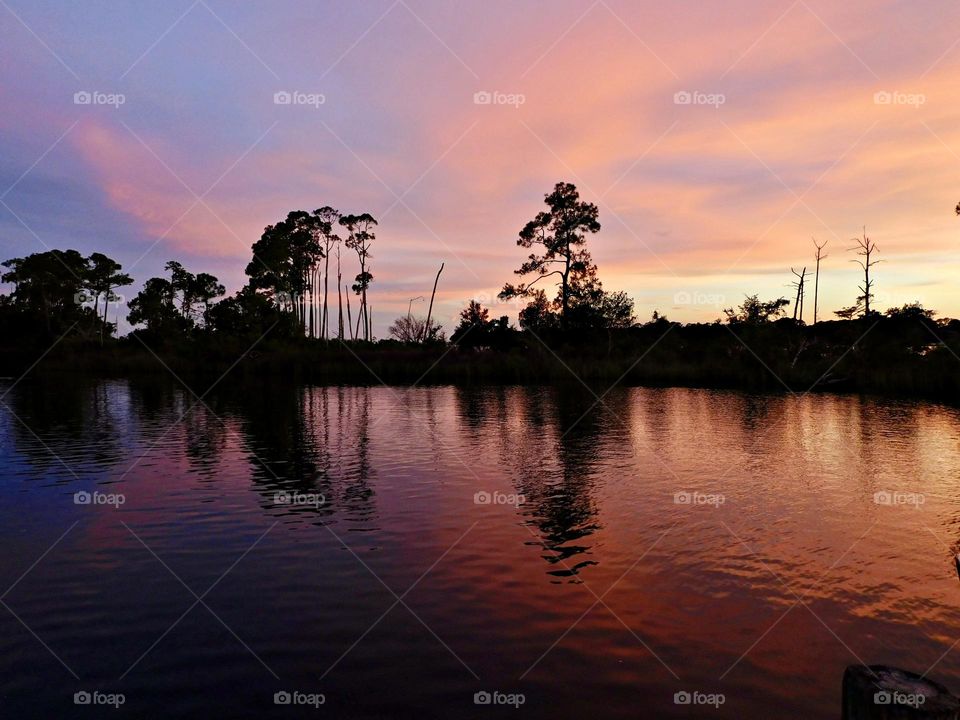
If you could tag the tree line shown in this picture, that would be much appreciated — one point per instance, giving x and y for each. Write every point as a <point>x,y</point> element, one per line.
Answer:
<point>288,291</point>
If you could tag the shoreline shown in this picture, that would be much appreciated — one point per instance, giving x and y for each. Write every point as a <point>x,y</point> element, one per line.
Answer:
<point>882,359</point>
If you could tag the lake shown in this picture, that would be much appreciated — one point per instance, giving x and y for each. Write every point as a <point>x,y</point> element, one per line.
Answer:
<point>389,552</point>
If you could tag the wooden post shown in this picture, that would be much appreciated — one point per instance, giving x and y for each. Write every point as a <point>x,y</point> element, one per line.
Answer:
<point>879,692</point>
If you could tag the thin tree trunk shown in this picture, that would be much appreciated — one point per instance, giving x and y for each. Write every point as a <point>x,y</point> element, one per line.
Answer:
<point>349,319</point>
<point>816,291</point>
<point>866,293</point>
<point>426,329</point>
<point>315,312</point>
<point>106,305</point>
<point>359,318</point>
<point>339,297</point>
<point>325,327</point>
<point>803,279</point>
<point>363,299</point>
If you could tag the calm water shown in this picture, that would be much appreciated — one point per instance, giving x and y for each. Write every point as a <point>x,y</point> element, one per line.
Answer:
<point>386,586</point>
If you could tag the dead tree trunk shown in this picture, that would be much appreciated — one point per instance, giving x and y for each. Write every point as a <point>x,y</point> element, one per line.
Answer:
<point>816,282</point>
<point>426,328</point>
<point>803,291</point>
<point>798,304</point>
<point>865,248</point>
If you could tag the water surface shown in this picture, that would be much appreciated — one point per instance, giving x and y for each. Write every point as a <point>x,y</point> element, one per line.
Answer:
<point>667,541</point>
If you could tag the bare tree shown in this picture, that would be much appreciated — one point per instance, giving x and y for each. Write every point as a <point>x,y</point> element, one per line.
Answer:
<point>799,285</point>
<point>816,282</point>
<point>866,248</point>
<point>409,329</point>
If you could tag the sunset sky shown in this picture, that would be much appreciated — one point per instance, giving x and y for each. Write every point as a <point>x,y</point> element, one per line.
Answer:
<point>809,119</point>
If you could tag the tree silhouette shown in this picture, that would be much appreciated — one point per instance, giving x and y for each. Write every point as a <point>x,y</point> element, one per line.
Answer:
<point>561,233</point>
<point>410,329</point>
<point>205,288</point>
<point>912,311</point>
<point>52,286</point>
<point>250,314</point>
<point>816,281</point>
<point>477,330</point>
<point>754,311</point>
<point>865,248</point>
<point>474,323</point>
<point>169,307</point>
<point>327,219</point>
<point>800,285</point>
<point>361,233</point>
<point>155,306</point>
<point>103,276</point>
<point>848,313</point>
<point>283,261</point>
<point>537,315</point>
